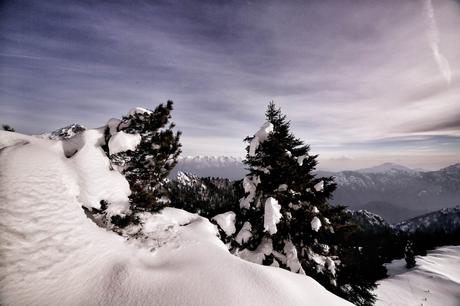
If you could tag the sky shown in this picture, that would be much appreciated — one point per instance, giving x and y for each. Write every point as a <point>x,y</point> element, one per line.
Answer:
<point>362,82</point>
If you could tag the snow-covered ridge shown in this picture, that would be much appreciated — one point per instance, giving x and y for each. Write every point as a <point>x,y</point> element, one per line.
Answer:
<point>213,160</point>
<point>67,132</point>
<point>386,167</point>
<point>52,254</point>
<point>445,220</point>
<point>397,195</point>
<point>216,166</point>
<point>369,221</point>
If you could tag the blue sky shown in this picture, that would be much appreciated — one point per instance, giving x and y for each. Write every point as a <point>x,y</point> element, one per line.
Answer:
<point>364,82</point>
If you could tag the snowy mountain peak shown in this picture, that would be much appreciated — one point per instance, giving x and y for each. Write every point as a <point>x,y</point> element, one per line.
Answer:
<point>216,166</point>
<point>67,131</point>
<point>216,160</point>
<point>386,167</point>
<point>455,168</point>
<point>187,179</point>
<point>444,220</point>
<point>369,221</point>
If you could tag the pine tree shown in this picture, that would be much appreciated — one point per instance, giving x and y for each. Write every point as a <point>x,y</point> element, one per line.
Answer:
<point>409,255</point>
<point>147,167</point>
<point>7,128</point>
<point>284,219</point>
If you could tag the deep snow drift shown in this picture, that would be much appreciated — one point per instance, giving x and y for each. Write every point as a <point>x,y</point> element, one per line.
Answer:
<point>435,280</point>
<point>52,254</point>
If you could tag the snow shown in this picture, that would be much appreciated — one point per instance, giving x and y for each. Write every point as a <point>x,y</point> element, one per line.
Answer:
<point>434,281</point>
<point>52,254</point>
<point>264,249</point>
<point>97,181</point>
<point>66,132</point>
<point>300,159</point>
<point>330,264</point>
<point>113,125</point>
<point>244,234</point>
<point>138,111</point>
<point>292,261</point>
<point>272,215</point>
<point>282,187</point>
<point>319,186</point>
<point>250,186</point>
<point>122,141</point>
<point>226,221</point>
<point>259,137</point>
<point>315,224</point>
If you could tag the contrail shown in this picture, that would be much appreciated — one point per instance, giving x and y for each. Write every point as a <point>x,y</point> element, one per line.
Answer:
<point>433,38</point>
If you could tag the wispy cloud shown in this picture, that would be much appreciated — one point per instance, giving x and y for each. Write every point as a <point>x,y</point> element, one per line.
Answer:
<point>433,37</point>
<point>345,72</point>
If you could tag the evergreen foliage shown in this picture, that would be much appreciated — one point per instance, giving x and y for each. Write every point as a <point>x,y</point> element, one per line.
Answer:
<point>311,236</point>
<point>147,167</point>
<point>7,128</point>
<point>409,255</point>
<point>207,196</point>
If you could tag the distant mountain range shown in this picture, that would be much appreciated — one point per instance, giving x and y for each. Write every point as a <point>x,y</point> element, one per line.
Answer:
<point>390,190</point>
<point>386,167</point>
<point>369,221</point>
<point>214,166</point>
<point>396,193</point>
<point>446,220</point>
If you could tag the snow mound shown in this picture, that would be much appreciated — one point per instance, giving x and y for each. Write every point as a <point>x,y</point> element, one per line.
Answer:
<point>113,125</point>
<point>250,185</point>
<point>272,215</point>
<point>315,224</point>
<point>292,261</point>
<point>244,234</point>
<point>122,141</point>
<point>98,182</point>
<point>138,111</point>
<point>226,221</point>
<point>300,159</point>
<point>319,186</point>
<point>257,256</point>
<point>52,254</point>
<point>259,137</point>
<point>434,281</point>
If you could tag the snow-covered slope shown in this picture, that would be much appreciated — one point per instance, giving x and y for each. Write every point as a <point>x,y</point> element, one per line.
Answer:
<point>187,179</point>
<point>369,221</point>
<point>445,220</point>
<point>435,281</point>
<point>52,254</point>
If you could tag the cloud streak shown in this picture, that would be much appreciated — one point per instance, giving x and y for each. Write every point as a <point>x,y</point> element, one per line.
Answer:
<point>345,72</point>
<point>433,37</point>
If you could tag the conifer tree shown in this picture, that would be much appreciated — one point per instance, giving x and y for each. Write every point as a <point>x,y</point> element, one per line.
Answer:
<point>409,255</point>
<point>7,128</point>
<point>284,219</point>
<point>147,167</point>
